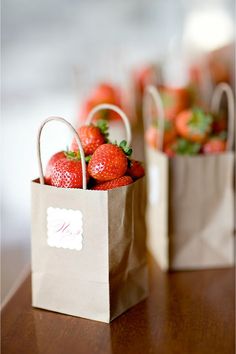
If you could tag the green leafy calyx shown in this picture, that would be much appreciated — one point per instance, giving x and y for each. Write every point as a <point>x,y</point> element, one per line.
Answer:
<point>75,155</point>
<point>126,148</point>
<point>185,147</point>
<point>102,124</point>
<point>200,122</point>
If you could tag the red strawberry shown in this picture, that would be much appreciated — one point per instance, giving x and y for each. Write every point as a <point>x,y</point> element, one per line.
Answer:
<point>51,164</point>
<point>214,146</point>
<point>175,100</point>
<point>105,93</point>
<point>194,125</point>
<point>135,169</point>
<point>152,134</point>
<point>108,162</point>
<point>91,137</point>
<point>115,183</point>
<point>144,76</point>
<point>219,124</point>
<point>102,93</point>
<point>67,173</point>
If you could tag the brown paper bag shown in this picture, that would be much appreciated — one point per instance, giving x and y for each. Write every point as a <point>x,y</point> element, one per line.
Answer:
<point>190,213</point>
<point>88,247</point>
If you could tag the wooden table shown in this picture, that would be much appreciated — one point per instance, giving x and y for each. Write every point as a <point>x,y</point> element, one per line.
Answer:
<point>186,313</point>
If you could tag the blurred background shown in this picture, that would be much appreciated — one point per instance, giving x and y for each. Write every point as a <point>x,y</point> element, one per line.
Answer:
<point>54,52</point>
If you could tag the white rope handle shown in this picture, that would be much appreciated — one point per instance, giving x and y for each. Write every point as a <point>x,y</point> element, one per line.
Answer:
<point>64,121</point>
<point>221,89</point>
<point>153,93</point>
<point>115,109</point>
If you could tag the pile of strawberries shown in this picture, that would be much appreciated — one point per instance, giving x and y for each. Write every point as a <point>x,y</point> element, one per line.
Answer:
<point>188,128</point>
<point>108,165</point>
<point>191,131</point>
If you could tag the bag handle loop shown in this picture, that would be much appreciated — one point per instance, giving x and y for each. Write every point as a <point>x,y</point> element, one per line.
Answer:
<point>115,109</point>
<point>224,88</point>
<point>153,93</point>
<point>39,157</point>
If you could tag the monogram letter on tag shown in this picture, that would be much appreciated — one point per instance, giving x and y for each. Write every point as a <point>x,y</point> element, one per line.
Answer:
<point>64,228</point>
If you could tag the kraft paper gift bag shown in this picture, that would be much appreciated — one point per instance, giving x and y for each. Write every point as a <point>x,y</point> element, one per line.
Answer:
<point>190,212</point>
<point>88,247</point>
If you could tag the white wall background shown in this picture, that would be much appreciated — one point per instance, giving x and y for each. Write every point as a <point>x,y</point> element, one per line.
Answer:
<point>42,44</point>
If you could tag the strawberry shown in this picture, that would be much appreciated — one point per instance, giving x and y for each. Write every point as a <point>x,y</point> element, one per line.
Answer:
<point>144,76</point>
<point>194,124</point>
<point>151,137</point>
<point>219,123</point>
<point>115,183</point>
<point>109,161</point>
<point>135,169</point>
<point>182,147</point>
<point>103,93</point>
<point>51,164</point>
<point>175,100</point>
<point>67,172</point>
<point>152,134</point>
<point>91,137</point>
<point>169,131</point>
<point>214,145</point>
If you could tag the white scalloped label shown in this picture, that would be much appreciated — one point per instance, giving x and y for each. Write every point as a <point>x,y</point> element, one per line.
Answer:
<point>65,228</point>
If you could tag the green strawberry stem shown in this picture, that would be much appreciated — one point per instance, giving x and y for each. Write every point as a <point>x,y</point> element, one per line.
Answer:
<point>103,125</point>
<point>185,147</point>
<point>75,155</point>
<point>200,121</point>
<point>127,149</point>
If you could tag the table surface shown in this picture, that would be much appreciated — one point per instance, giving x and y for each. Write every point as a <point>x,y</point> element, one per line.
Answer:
<point>186,312</point>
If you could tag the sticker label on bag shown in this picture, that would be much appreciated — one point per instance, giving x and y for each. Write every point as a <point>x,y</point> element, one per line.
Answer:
<point>154,185</point>
<point>65,228</point>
